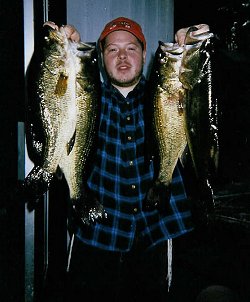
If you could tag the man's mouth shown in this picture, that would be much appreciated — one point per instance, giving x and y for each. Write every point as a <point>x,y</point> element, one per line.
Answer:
<point>123,66</point>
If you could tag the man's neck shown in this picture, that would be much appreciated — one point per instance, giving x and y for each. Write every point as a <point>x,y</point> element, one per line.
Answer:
<point>124,90</point>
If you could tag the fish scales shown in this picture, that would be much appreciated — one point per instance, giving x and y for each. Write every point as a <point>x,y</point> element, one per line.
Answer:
<point>66,90</point>
<point>201,107</point>
<point>167,96</point>
<point>201,116</point>
<point>74,165</point>
<point>51,109</point>
<point>58,100</point>
<point>168,118</point>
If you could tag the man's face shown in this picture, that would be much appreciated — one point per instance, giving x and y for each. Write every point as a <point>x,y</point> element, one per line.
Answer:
<point>123,58</point>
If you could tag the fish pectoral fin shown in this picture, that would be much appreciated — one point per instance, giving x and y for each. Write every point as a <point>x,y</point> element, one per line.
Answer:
<point>71,143</point>
<point>61,85</point>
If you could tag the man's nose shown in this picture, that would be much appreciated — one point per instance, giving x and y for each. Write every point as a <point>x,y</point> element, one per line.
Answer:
<point>122,54</point>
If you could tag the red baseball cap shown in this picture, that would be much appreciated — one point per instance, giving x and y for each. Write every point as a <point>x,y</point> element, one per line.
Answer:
<point>126,24</point>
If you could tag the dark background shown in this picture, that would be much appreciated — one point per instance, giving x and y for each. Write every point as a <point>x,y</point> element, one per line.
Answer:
<point>219,252</point>
<point>12,207</point>
<point>214,254</point>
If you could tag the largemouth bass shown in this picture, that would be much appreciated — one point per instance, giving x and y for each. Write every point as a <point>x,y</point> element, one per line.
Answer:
<point>167,96</point>
<point>201,108</point>
<point>201,116</point>
<point>65,98</point>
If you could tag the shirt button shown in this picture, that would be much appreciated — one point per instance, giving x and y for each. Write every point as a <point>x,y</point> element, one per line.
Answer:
<point>133,186</point>
<point>129,138</point>
<point>128,118</point>
<point>128,103</point>
<point>131,163</point>
<point>135,210</point>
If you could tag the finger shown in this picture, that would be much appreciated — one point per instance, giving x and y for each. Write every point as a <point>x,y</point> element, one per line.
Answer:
<point>67,29</point>
<point>71,32</point>
<point>180,35</point>
<point>51,24</point>
<point>75,37</point>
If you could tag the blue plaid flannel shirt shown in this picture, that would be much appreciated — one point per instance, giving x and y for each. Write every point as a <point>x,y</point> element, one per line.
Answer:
<point>121,179</point>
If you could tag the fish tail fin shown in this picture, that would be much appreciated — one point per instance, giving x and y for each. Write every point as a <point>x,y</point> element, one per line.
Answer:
<point>157,197</point>
<point>87,208</point>
<point>35,184</point>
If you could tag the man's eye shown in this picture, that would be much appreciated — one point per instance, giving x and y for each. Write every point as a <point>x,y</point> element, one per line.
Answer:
<point>132,48</point>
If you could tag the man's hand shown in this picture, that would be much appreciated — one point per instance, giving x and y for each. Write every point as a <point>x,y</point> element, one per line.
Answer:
<point>70,31</point>
<point>181,33</point>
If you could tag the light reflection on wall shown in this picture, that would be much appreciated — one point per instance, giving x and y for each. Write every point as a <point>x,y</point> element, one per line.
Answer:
<point>29,216</point>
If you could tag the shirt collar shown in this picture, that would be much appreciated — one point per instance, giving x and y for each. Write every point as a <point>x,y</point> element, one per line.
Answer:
<point>139,88</point>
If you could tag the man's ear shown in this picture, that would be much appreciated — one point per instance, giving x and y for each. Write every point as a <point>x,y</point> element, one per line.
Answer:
<point>144,56</point>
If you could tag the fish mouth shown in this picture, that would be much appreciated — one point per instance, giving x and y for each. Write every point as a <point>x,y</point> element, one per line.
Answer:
<point>51,25</point>
<point>193,38</point>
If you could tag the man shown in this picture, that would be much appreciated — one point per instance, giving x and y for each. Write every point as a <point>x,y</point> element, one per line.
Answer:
<point>127,255</point>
